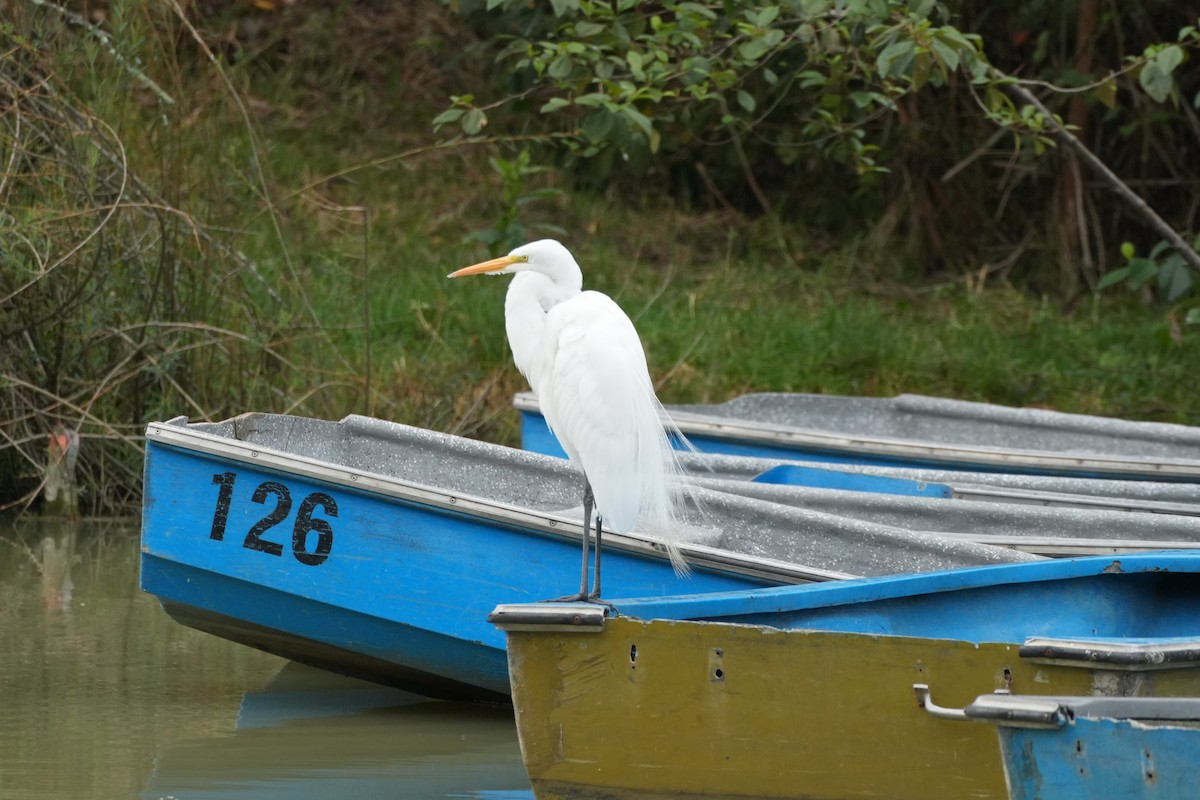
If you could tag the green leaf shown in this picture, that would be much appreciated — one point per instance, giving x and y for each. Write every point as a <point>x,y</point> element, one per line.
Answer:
<point>539,194</point>
<point>1193,317</point>
<point>449,115</point>
<point>1127,250</point>
<point>1140,271</point>
<point>1156,82</point>
<point>634,59</point>
<point>639,119</point>
<point>831,40</point>
<point>772,38</point>
<point>752,50</point>
<point>592,99</point>
<point>862,100</point>
<point>746,100</point>
<point>981,70</point>
<point>765,17</point>
<point>597,125</point>
<point>724,79</point>
<point>561,67</point>
<point>1174,278</point>
<point>699,9</point>
<point>895,58</point>
<point>1106,93</point>
<point>554,104</point>
<point>810,78</point>
<point>1169,58</point>
<point>1113,278</point>
<point>473,121</point>
<point>947,54</point>
<point>585,29</point>
<point>922,69</point>
<point>561,7</point>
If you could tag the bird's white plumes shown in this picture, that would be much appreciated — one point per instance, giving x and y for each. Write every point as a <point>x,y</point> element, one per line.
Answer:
<point>584,360</point>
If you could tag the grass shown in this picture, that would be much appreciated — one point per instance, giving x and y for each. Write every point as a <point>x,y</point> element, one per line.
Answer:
<point>331,298</point>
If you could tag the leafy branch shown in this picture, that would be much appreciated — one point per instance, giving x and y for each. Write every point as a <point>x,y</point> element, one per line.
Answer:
<point>651,80</point>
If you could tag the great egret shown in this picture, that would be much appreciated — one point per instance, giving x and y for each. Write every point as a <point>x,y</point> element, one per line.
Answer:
<point>582,357</point>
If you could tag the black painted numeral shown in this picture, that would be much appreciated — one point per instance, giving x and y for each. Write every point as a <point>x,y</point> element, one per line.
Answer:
<point>305,523</point>
<point>283,506</point>
<point>224,496</point>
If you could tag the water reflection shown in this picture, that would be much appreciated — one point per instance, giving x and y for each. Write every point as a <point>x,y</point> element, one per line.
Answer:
<point>102,695</point>
<point>311,735</point>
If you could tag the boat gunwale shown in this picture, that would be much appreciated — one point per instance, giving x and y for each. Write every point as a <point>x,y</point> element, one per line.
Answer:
<point>713,606</point>
<point>1057,711</point>
<point>1034,497</point>
<point>534,618</point>
<point>175,434</point>
<point>691,423</point>
<point>1058,546</point>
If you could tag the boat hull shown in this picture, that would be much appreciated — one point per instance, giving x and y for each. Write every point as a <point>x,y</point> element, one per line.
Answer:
<point>377,550</point>
<point>1094,748</point>
<point>730,711</point>
<point>356,581</point>
<point>1102,758</point>
<point>808,692</point>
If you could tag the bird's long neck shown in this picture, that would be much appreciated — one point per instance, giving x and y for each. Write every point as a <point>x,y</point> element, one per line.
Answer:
<point>530,296</point>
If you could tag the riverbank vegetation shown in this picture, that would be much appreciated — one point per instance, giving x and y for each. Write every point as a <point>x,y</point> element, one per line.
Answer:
<point>231,206</point>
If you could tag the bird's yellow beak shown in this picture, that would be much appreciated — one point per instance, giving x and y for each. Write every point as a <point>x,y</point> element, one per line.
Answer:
<point>495,265</point>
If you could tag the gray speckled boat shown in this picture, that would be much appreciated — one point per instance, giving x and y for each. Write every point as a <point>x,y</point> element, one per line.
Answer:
<point>911,430</point>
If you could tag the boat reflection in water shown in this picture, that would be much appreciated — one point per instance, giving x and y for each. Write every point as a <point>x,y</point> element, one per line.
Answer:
<point>312,734</point>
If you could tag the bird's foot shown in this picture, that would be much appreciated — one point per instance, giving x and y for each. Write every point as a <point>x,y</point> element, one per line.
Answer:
<point>581,597</point>
<point>584,597</point>
<point>594,598</point>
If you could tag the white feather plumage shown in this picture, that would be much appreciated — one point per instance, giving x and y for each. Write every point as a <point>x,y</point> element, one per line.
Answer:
<point>584,360</point>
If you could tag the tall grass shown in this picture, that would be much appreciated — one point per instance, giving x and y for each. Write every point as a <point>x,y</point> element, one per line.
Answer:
<point>123,298</point>
<point>196,222</point>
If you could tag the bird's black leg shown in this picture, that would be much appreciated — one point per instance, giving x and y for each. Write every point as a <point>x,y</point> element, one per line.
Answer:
<point>588,504</point>
<point>595,595</point>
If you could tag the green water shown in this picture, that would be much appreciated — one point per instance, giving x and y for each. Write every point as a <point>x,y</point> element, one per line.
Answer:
<point>104,696</point>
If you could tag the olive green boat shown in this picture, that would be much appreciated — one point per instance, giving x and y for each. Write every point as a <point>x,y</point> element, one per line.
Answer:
<point>808,692</point>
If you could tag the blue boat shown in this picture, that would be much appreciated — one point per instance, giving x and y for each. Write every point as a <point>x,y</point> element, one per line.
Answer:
<point>376,550</point>
<point>1095,748</point>
<point>911,430</point>
<point>807,691</point>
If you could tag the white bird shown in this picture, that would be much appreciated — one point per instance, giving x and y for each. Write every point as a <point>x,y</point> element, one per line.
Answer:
<point>584,361</point>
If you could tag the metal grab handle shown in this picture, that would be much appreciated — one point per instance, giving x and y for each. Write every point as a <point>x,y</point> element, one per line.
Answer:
<point>925,702</point>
